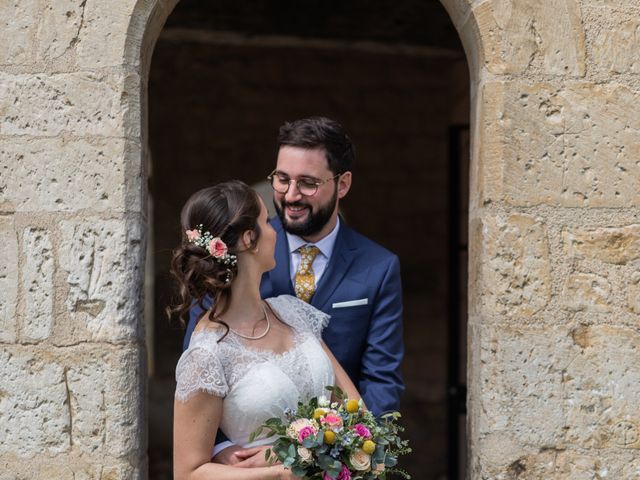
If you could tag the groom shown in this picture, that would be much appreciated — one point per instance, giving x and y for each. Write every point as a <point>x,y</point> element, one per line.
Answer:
<point>323,261</point>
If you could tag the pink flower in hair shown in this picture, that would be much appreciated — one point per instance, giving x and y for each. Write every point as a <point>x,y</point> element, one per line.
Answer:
<point>218,248</point>
<point>193,235</point>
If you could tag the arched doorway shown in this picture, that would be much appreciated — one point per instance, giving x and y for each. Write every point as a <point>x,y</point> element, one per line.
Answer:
<point>222,80</point>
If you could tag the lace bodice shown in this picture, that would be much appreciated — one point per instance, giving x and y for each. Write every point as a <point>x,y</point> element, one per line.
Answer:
<point>257,384</point>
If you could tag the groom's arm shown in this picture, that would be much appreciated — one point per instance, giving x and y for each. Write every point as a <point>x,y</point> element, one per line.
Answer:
<point>380,380</point>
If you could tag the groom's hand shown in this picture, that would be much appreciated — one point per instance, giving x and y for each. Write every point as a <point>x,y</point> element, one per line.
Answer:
<point>242,457</point>
<point>251,457</point>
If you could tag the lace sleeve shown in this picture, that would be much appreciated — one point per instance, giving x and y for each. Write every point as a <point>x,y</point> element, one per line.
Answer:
<point>305,316</point>
<point>199,370</point>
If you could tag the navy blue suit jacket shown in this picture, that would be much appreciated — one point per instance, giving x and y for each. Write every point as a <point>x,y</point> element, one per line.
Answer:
<point>366,339</point>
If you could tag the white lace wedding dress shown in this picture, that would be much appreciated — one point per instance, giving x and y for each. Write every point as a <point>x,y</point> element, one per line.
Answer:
<point>257,384</point>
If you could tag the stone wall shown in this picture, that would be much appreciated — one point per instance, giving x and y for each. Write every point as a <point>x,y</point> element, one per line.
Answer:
<point>554,345</point>
<point>554,359</point>
<point>72,358</point>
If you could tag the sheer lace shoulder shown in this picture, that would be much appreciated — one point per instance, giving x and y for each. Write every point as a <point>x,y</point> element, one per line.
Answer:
<point>300,314</point>
<point>200,369</point>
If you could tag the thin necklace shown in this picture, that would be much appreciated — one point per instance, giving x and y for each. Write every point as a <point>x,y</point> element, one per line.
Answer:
<point>257,337</point>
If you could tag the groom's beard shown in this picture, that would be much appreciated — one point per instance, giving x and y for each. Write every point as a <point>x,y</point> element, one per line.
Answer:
<point>314,222</point>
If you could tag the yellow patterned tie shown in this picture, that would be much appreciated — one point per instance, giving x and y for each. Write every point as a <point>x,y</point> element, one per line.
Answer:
<point>305,279</point>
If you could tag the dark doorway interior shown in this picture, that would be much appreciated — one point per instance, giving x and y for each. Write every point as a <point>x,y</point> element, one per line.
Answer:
<point>225,75</point>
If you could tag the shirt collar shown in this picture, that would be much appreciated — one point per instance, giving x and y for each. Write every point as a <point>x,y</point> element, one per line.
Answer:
<point>325,245</point>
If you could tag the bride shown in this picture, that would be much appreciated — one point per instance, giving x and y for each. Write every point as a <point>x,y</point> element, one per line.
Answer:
<point>249,359</point>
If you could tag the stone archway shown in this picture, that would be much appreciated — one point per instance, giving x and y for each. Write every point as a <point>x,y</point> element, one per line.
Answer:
<point>554,348</point>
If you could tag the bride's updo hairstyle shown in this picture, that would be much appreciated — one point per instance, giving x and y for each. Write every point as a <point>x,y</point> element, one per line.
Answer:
<point>224,211</point>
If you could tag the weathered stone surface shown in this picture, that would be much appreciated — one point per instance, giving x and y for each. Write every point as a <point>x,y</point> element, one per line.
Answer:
<point>587,291</point>
<point>104,390</point>
<point>618,246</point>
<point>16,33</point>
<point>518,35</point>
<point>573,145</point>
<point>560,464</point>
<point>616,47</point>
<point>546,391</point>
<point>71,468</point>
<point>34,30</point>
<point>37,281</point>
<point>104,34</point>
<point>86,399</point>
<point>515,272</point>
<point>33,413</point>
<point>75,103</point>
<point>522,372</point>
<point>633,293</point>
<point>8,279</point>
<point>601,388</point>
<point>103,262</point>
<point>55,174</point>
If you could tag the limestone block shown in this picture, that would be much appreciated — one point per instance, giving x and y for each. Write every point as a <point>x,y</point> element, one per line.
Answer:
<point>105,34</point>
<point>618,246</point>
<point>560,464</point>
<point>517,35</point>
<point>33,413</point>
<point>602,385</point>
<point>17,35</point>
<point>33,31</point>
<point>105,390</point>
<point>103,263</point>
<point>82,399</point>
<point>515,272</point>
<point>633,293</point>
<point>37,281</point>
<point>69,468</point>
<point>72,103</point>
<point>58,26</point>
<point>574,145</point>
<point>586,291</point>
<point>616,48</point>
<point>521,384</point>
<point>56,174</point>
<point>8,279</point>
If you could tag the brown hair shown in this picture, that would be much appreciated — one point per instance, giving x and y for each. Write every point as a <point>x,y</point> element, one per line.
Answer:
<point>226,210</point>
<point>321,132</point>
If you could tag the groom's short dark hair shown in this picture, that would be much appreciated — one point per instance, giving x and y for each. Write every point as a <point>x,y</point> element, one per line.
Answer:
<point>320,132</point>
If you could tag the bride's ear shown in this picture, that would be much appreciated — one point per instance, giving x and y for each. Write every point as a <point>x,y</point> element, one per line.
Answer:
<point>247,240</point>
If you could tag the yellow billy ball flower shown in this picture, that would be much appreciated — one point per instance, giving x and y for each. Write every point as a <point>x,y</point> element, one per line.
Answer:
<point>352,406</point>
<point>369,447</point>
<point>319,412</point>
<point>330,437</point>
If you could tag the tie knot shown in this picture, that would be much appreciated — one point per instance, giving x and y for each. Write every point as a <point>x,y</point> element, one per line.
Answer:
<point>308,254</point>
<point>310,251</point>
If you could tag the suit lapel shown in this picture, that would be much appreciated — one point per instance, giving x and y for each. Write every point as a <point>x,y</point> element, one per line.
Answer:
<point>280,277</point>
<point>339,263</point>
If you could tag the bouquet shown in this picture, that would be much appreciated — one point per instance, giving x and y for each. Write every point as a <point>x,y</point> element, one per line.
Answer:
<point>321,440</point>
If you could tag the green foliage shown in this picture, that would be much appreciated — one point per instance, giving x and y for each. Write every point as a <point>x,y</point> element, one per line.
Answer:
<point>311,457</point>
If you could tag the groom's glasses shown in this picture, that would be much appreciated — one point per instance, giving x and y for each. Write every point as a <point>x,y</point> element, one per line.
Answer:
<point>307,186</point>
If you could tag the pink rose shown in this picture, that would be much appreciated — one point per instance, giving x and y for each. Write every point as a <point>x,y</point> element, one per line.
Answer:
<point>306,432</point>
<point>193,235</point>
<point>332,420</point>
<point>344,474</point>
<point>217,248</point>
<point>362,431</point>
